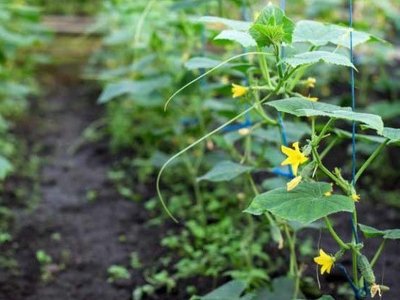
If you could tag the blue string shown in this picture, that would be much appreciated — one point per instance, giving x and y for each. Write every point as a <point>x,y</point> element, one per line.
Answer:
<point>357,292</point>
<point>353,106</point>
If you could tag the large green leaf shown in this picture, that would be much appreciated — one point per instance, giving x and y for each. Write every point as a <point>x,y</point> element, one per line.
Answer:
<point>137,87</point>
<point>272,27</point>
<point>225,171</point>
<point>282,288</point>
<point>371,232</point>
<point>241,37</point>
<point>320,34</point>
<point>306,203</point>
<point>301,107</point>
<point>309,58</point>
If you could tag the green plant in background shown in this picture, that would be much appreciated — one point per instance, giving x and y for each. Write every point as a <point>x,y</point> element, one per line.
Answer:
<point>116,272</point>
<point>20,35</point>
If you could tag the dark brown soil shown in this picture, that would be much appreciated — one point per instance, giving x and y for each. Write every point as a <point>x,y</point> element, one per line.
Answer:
<point>87,232</point>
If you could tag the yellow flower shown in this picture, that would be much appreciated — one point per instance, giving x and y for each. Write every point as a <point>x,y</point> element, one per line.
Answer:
<point>325,261</point>
<point>238,90</point>
<point>310,82</point>
<point>327,194</point>
<point>355,197</point>
<point>312,99</point>
<point>293,183</point>
<point>375,288</point>
<point>294,157</point>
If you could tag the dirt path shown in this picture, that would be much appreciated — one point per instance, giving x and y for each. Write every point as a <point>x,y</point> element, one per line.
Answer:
<point>83,235</point>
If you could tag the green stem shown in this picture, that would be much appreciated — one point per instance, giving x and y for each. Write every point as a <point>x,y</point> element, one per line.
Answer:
<point>264,67</point>
<point>378,253</point>
<point>373,156</point>
<point>323,131</point>
<point>332,231</point>
<point>328,173</point>
<point>278,61</point>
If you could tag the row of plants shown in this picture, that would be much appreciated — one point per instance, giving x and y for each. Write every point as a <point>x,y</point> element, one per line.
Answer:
<point>239,150</point>
<point>20,35</point>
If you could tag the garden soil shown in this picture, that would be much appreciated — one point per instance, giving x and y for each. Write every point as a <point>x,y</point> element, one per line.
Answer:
<point>83,237</point>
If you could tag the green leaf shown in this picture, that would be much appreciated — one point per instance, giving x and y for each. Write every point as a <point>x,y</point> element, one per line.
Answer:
<point>320,34</point>
<point>306,203</point>
<point>315,33</point>
<point>309,58</point>
<point>225,171</point>
<point>272,27</point>
<point>391,133</point>
<point>371,232</point>
<point>241,37</point>
<point>301,107</point>
<point>282,288</point>
<point>392,234</point>
<point>133,87</point>
<point>229,291</point>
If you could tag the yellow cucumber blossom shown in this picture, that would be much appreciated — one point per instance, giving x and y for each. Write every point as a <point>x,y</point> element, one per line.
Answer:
<point>310,82</point>
<point>375,289</point>
<point>325,261</point>
<point>294,157</point>
<point>293,183</point>
<point>355,197</point>
<point>239,90</point>
<point>328,194</point>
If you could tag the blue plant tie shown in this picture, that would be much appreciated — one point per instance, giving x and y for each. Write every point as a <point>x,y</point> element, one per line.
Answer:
<point>235,127</point>
<point>356,290</point>
<point>280,172</point>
